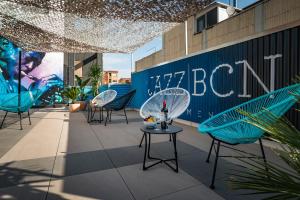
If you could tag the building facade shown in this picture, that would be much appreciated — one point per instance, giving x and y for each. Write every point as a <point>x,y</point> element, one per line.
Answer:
<point>251,53</point>
<point>124,80</point>
<point>261,18</point>
<point>110,77</point>
<point>80,64</point>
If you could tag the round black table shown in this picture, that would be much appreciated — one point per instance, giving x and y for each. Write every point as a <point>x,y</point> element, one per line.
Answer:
<point>172,131</point>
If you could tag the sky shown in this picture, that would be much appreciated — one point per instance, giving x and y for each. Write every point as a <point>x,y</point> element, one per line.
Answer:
<point>124,63</point>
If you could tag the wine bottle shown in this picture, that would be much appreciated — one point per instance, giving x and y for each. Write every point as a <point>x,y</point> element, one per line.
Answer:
<point>164,114</point>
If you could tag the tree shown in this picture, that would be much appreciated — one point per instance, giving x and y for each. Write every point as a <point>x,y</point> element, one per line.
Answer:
<point>82,83</point>
<point>95,76</point>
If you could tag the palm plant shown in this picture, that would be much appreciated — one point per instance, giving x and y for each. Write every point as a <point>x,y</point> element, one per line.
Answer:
<point>82,83</point>
<point>95,76</point>
<point>270,178</point>
<point>71,93</point>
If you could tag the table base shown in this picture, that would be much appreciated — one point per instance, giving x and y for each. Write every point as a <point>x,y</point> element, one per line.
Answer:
<point>165,161</point>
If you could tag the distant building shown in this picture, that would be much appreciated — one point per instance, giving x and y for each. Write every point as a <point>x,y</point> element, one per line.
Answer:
<point>110,77</point>
<point>79,64</point>
<point>125,80</point>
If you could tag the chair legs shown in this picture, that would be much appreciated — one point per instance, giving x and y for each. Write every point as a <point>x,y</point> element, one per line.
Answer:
<point>107,116</point>
<point>209,153</point>
<point>212,185</point>
<point>88,114</point>
<point>100,115</point>
<point>263,155</point>
<point>218,143</point>
<point>29,117</point>
<point>92,112</point>
<point>20,116</point>
<point>262,150</point>
<point>20,119</point>
<point>3,119</point>
<point>110,116</point>
<point>125,115</point>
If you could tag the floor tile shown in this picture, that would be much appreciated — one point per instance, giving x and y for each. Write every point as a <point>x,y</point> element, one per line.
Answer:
<point>79,163</point>
<point>155,181</point>
<point>106,184</point>
<point>35,191</point>
<point>199,192</point>
<point>25,171</point>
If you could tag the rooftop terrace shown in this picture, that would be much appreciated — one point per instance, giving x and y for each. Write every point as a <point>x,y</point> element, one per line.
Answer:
<point>61,156</point>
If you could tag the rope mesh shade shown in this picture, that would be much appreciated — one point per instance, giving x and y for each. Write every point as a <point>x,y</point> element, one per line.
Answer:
<point>91,25</point>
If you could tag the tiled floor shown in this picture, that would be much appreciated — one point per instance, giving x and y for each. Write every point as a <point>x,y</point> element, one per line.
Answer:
<point>61,156</point>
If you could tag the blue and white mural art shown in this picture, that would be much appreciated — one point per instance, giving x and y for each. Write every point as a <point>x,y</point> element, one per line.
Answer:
<point>225,77</point>
<point>39,71</point>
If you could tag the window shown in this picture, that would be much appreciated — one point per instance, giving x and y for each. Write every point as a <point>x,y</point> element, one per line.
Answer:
<point>200,24</point>
<point>212,17</point>
<point>207,20</point>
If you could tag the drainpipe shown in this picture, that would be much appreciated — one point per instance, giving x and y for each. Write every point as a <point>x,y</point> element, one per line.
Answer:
<point>186,38</point>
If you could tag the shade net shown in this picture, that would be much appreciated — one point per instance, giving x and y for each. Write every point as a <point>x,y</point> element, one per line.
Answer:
<point>177,101</point>
<point>91,25</point>
<point>104,98</point>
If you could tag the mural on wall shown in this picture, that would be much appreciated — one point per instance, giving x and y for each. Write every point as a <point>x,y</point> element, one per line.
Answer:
<point>39,70</point>
<point>222,78</point>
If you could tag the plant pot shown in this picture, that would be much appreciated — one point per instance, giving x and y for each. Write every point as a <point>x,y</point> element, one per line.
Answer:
<point>74,107</point>
<point>83,105</point>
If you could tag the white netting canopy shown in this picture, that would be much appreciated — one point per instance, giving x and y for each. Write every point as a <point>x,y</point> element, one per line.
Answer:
<point>177,101</point>
<point>91,25</point>
<point>104,98</point>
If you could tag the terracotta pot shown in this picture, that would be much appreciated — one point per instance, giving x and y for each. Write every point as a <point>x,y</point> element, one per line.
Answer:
<point>83,105</point>
<point>74,107</point>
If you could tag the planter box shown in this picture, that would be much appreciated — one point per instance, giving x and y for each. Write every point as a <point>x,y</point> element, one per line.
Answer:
<point>74,107</point>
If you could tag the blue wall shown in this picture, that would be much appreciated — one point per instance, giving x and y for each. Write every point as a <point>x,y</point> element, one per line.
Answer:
<point>219,79</point>
<point>120,88</point>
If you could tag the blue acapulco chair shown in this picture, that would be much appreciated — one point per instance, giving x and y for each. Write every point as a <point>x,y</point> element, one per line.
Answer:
<point>118,104</point>
<point>230,127</point>
<point>9,102</point>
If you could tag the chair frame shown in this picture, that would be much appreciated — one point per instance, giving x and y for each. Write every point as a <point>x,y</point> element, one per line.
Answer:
<point>20,118</point>
<point>91,113</point>
<point>218,142</point>
<point>20,111</point>
<point>109,110</point>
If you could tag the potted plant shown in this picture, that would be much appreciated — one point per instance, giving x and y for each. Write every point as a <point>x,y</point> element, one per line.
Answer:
<point>82,96</point>
<point>95,76</point>
<point>277,181</point>
<point>72,93</point>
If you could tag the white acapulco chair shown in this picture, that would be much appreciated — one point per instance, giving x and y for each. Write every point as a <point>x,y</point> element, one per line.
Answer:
<point>177,101</point>
<point>98,102</point>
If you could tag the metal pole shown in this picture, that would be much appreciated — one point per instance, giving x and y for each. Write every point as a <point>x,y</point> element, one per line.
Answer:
<point>131,70</point>
<point>19,79</point>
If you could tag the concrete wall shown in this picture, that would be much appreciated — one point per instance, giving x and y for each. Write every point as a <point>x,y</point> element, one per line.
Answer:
<point>263,18</point>
<point>71,68</point>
